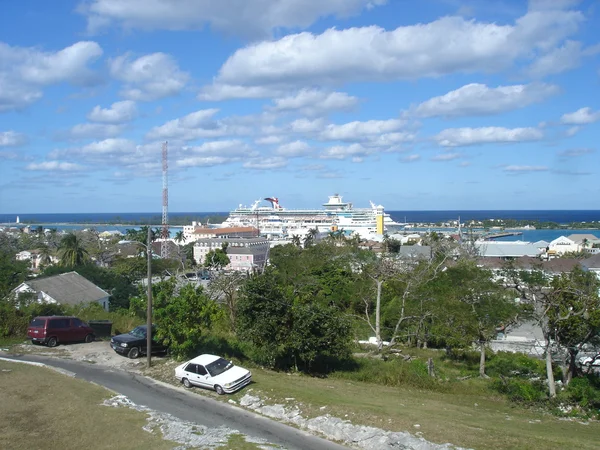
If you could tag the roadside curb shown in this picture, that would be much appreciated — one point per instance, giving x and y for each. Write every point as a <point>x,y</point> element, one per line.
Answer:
<point>39,364</point>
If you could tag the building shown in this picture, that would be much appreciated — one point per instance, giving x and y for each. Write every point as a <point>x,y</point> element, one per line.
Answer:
<point>507,249</point>
<point>562,245</point>
<point>245,254</point>
<point>65,289</point>
<point>193,232</point>
<point>592,264</point>
<point>37,258</point>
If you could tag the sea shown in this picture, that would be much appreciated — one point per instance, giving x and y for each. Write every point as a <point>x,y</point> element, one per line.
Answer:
<point>113,221</point>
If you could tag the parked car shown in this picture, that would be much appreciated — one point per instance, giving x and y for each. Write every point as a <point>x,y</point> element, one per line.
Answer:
<point>133,344</point>
<point>52,330</point>
<point>213,372</point>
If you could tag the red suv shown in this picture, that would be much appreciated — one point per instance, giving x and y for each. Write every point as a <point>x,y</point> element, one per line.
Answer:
<point>51,330</point>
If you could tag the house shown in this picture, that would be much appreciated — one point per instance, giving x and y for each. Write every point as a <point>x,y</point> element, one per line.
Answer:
<point>562,245</point>
<point>192,233</point>
<point>65,289</point>
<point>243,253</point>
<point>592,264</point>
<point>507,249</point>
<point>36,257</point>
<point>108,235</point>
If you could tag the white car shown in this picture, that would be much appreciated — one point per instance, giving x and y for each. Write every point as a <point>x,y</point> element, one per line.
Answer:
<point>213,372</point>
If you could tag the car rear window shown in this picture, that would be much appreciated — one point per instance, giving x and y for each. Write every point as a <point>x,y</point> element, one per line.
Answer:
<point>37,323</point>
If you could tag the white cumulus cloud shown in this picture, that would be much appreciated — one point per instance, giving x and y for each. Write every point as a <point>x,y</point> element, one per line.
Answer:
<point>292,149</point>
<point>91,131</point>
<point>583,116</point>
<point>456,137</point>
<point>149,77</point>
<point>357,130</point>
<point>314,102</point>
<point>246,18</point>
<point>478,99</point>
<point>445,46</point>
<point>54,166</point>
<point>12,139</point>
<point>119,112</point>
<point>525,169</point>
<point>24,71</point>
<point>265,163</point>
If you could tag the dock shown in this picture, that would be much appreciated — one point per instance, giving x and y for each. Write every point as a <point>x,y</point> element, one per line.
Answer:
<point>501,234</point>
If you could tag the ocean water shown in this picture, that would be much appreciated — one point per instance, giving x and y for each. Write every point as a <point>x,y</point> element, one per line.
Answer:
<point>102,221</point>
<point>558,216</point>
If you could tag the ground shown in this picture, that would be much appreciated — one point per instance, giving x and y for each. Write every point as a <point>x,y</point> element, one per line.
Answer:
<point>471,421</point>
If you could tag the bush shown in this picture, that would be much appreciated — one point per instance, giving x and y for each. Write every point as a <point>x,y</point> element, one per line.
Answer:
<point>506,364</point>
<point>394,372</point>
<point>121,319</point>
<point>14,320</point>
<point>584,391</point>
<point>519,390</point>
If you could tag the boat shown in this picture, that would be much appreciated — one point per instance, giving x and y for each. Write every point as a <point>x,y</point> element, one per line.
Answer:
<point>275,221</point>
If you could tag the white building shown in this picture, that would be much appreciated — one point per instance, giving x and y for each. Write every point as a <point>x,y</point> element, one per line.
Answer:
<point>244,254</point>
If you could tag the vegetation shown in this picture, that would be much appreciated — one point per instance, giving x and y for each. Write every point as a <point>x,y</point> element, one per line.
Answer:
<point>306,310</point>
<point>76,420</point>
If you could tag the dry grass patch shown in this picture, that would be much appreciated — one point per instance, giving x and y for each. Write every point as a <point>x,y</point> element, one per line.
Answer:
<point>474,421</point>
<point>44,409</point>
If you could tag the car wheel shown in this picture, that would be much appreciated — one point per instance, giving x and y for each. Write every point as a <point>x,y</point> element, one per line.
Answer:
<point>219,389</point>
<point>134,353</point>
<point>89,338</point>
<point>186,383</point>
<point>52,342</point>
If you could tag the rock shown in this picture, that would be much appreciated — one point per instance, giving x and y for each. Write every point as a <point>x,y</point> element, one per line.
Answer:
<point>250,401</point>
<point>416,425</point>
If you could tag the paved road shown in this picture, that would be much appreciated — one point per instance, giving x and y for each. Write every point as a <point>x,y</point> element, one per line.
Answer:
<point>187,405</point>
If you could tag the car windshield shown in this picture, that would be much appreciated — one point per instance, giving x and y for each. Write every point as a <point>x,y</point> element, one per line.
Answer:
<point>139,332</point>
<point>218,367</point>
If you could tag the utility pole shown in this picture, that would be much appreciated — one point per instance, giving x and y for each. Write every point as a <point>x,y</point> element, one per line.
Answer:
<point>164,246</point>
<point>149,310</point>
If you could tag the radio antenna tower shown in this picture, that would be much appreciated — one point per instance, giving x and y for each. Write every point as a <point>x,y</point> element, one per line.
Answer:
<point>164,246</point>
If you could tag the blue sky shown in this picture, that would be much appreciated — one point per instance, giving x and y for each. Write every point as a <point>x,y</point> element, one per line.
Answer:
<point>436,104</point>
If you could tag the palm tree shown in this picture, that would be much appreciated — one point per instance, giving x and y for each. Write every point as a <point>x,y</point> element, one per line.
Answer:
<point>309,239</point>
<point>71,251</point>
<point>45,255</point>
<point>179,237</point>
<point>296,240</point>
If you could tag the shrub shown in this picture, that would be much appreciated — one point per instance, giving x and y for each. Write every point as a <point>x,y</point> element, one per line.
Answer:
<point>584,391</point>
<point>394,372</point>
<point>506,364</point>
<point>519,390</point>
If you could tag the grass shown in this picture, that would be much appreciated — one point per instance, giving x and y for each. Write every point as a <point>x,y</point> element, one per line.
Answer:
<point>7,342</point>
<point>474,421</point>
<point>44,409</point>
<point>465,413</point>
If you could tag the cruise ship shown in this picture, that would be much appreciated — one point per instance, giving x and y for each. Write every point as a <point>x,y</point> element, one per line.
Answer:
<point>276,222</point>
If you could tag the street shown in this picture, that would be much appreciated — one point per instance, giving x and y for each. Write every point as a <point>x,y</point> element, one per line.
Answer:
<point>187,405</point>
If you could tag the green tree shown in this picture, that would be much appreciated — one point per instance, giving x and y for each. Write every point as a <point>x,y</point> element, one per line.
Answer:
<point>224,289</point>
<point>183,317</point>
<point>217,259</point>
<point>471,306</point>
<point>295,321</point>
<point>12,272</point>
<point>179,237</point>
<point>71,251</point>
<point>574,314</point>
